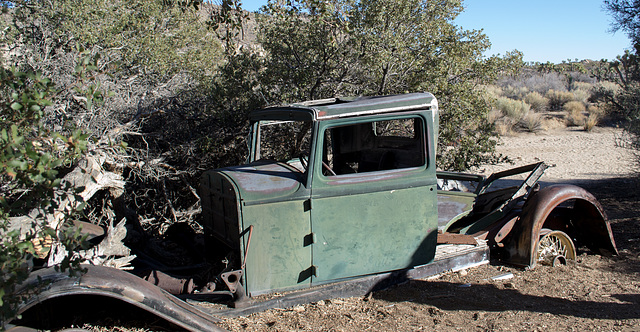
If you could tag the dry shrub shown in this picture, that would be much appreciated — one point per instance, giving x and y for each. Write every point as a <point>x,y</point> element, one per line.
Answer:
<point>534,81</point>
<point>577,85</point>
<point>557,99</point>
<point>514,109</point>
<point>595,114</point>
<point>494,115</point>
<point>593,109</point>
<point>581,95</point>
<point>492,91</point>
<point>575,113</point>
<point>537,101</point>
<point>552,123</point>
<point>608,86</point>
<point>515,92</point>
<point>504,126</point>
<point>591,121</point>
<point>531,122</point>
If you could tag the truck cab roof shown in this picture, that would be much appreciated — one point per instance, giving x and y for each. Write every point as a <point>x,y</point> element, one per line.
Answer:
<point>333,108</point>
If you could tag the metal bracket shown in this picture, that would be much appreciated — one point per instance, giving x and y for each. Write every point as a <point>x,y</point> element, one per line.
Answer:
<point>232,280</point>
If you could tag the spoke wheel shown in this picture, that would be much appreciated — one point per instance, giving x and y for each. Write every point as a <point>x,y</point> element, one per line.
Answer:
<point>554,248</point>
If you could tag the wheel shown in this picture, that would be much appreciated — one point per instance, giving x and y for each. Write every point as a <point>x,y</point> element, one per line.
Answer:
<point>554,248</point>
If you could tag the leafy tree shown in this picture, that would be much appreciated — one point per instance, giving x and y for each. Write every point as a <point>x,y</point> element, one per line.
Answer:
<point>31,157</point>
<point>626,16</point>
<point>626,69</point>
<point>317,49</point>
<point>135,37</point>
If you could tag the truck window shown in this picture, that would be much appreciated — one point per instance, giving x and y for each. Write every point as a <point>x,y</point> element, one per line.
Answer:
<point>284,140</point>
<point>374,146</point>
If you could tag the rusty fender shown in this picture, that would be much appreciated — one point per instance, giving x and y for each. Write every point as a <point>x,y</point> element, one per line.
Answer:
<point>587,222</point>
<point>114,283</point>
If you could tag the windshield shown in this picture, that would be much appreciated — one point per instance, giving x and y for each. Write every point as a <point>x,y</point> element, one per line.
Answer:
<point>284,141</point>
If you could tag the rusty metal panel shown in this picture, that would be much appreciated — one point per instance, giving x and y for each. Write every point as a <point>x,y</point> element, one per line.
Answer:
<point>452,206</point>
<point>121,285</point>
<point>588,223</point>
<point>454,238</point>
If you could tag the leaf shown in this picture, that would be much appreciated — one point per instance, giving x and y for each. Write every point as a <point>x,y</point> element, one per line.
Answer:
<point>16,106</point>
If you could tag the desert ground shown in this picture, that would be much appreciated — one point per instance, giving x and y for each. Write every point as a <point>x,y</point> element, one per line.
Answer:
<point>592,293</point>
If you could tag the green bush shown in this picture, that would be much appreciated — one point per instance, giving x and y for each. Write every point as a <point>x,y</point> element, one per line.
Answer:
<point>386,47</point>
<point>31,157</point>
<point>511,108</point>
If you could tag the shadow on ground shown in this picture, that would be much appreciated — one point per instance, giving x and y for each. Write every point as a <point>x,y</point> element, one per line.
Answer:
<point>491,297</point>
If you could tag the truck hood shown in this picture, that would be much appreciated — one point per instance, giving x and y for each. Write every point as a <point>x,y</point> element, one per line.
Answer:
<point>264,181</point>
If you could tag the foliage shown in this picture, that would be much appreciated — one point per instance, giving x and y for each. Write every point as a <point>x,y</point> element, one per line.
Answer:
<point>152,38</point>
<point>626,16</point>
<point>625,71</point>
<point>32,157</point>
<point>317,49</point>
<point>515,109</point>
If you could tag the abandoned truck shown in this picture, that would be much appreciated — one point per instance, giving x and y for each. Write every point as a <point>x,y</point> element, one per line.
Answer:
<point>341,197</point>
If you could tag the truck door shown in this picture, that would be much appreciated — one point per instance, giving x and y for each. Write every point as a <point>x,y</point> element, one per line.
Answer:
<point>373,204</point>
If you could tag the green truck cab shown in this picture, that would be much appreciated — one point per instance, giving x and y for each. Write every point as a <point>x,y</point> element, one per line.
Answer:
<point>333,189</point>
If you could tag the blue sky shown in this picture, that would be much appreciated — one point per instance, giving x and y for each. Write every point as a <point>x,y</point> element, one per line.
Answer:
<point>543,30</point>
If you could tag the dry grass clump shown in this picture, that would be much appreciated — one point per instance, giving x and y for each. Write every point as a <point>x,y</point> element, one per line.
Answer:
<point>557,99</point>
<point>504,126</point>
<point>515,92</point>
<point>595,114</point>
<point>581,95</point>
<point>575,113</point>
<point>537,101</point>
<point>580,115</point>
<point>531,122</point>
<point>577,85</point>
<point>492,90</point>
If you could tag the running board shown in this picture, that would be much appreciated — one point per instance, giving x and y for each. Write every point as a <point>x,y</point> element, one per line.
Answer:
<point>449,257</point>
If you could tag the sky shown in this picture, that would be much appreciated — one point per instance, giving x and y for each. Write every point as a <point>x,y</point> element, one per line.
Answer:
<point>542,30</point>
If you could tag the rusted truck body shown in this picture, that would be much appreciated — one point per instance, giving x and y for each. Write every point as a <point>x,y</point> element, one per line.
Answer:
<point>342,196</point>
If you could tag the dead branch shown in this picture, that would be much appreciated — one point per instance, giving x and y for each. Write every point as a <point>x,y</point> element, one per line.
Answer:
<point>89,176</point>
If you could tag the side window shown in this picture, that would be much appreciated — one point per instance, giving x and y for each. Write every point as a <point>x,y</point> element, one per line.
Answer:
<point>374,146</point>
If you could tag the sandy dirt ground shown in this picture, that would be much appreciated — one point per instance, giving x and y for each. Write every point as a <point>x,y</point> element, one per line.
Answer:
<point>593,293</point>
